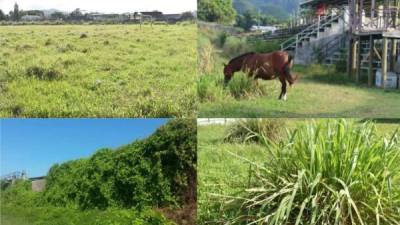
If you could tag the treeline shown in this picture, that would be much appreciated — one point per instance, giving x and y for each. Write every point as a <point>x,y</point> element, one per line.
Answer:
<point>159,171</point>
<point>78,15</point>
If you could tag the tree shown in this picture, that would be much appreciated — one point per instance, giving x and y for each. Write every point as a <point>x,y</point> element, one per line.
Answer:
<point>57,16</point>
<point>16,15</point>
<point>220,11</point>
<point>187,16</point>
<point>245,21</point>
<point>76,14</point>
<point>2,15</point>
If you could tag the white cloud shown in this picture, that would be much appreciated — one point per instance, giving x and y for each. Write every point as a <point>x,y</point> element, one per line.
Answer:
<point>117,6</point>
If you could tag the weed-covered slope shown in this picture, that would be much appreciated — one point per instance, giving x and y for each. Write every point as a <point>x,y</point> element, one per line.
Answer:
<point>158,172</point>
<point>152,172</point>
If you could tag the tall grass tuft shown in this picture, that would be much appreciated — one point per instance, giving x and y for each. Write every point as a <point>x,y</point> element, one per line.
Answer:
<point>255,130</point>
<point>336,172</point>
<point>241,86</point>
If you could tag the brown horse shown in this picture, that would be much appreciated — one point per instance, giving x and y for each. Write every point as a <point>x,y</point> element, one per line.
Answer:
<point>263,66</point>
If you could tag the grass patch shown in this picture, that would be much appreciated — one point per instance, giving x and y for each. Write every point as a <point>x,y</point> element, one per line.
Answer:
<point>15,215</point>
<point>141,78</point>
<point>255,130</point>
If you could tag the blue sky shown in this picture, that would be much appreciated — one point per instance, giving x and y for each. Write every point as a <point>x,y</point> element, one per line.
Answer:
<point>35,145</point>
<point>107,6</point>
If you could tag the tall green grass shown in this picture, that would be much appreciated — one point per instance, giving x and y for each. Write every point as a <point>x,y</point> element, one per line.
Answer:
<point>211,88</point>
<point>335,172</point>
<point>255,130</point>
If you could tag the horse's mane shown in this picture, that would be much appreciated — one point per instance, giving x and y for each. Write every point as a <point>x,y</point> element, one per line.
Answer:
<point>240,56</point>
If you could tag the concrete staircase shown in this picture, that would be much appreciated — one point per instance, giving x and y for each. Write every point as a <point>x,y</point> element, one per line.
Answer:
<point>319,42</point>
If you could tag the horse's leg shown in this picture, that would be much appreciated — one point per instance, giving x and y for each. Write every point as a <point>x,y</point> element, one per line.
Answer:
<point>282,96</point>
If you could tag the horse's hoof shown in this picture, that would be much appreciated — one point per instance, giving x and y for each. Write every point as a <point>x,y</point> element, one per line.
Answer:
<point>284,98</point>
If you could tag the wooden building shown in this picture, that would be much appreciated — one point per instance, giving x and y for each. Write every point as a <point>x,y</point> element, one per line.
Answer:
<point>369,32</point>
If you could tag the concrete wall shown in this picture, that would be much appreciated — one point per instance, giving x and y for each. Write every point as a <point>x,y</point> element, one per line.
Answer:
<point>38,185</point>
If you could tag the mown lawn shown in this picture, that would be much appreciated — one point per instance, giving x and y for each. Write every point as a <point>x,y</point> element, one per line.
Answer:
<point>98,71</point>
<point>223,168</point>
<point>320,92</point>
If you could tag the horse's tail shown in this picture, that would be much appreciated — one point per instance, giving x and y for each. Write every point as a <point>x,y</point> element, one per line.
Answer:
<point>286,70</point>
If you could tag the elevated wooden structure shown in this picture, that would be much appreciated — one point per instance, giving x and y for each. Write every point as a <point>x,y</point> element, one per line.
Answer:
<point>371,23</point>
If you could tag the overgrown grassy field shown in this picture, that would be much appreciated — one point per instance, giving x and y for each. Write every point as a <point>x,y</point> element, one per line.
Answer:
<point>98,71</point>
<point>226,170</point>
<point>320,92</point>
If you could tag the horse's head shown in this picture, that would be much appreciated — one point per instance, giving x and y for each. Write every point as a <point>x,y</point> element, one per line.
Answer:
<point>228,73</point>
<point>293,78</point>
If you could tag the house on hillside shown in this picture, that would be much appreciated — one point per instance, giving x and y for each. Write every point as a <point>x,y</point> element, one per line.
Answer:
<point>172,18</point>
<point>31,18</point>
<point>263,29</point>
<point>108,17</point>
<point>156,15</point>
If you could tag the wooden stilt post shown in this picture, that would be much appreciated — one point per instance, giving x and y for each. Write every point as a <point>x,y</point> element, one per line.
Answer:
<point>371,61</point>
<point>354,56</point>
<point>393,54</point>
<point>358,70</point>
<point>384,61</point>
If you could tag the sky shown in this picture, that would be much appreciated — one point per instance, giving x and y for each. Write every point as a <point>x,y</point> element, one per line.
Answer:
<point>105,6</point>
<point>34,145</point>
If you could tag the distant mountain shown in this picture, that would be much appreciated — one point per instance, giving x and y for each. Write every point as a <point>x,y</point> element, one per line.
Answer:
<point>280,9</point>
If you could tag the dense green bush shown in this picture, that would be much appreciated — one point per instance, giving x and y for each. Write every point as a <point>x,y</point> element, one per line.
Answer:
<point>20,193</point>
<point>157,171</point>
<point>235,46</point>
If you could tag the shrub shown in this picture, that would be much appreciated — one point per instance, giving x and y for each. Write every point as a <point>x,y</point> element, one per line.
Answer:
<point>235,46</point>
<point>255,130</point>
<point>221,39</point>
<point>263,46</point>
<point>327,173</point>
<point>242,86</point>
<point>209,88</point>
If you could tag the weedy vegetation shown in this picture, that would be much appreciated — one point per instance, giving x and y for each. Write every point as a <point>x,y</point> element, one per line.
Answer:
<point>98,71</point>
<point>323,172</point>
<point>255,130</point>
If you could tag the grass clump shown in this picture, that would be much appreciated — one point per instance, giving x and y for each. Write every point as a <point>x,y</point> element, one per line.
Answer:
<point>255,130</point>
<point>334,172</point>
<point>241,86</point>
<point>41,73</point>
